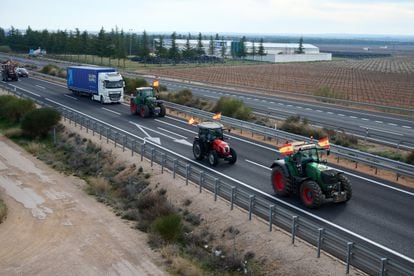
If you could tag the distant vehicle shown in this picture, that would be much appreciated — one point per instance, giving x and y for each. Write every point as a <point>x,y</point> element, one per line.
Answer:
<point>8,71</point>
<point>22,72</point>
<point>37,52</point>
<point>101,84</point>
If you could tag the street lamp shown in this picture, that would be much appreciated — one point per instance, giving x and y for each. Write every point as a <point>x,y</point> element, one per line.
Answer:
<point>130,40</point>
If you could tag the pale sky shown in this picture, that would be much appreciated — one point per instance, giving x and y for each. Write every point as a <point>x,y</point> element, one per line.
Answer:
<point>390,17</point>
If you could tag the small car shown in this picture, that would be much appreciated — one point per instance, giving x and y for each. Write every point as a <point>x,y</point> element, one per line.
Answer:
<point>22,72</point>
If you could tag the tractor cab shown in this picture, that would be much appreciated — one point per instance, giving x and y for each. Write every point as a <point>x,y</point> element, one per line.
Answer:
<point>210,131</point>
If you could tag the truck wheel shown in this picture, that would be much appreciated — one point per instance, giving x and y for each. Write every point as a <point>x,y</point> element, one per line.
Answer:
<point>213,158</point>
<point>198,150</point>
<point>233,158</point>
<point>144,111</point>
<point>162,111</point>
<point>346,186</point>
<point>281,183</point>
<point>311,194</point>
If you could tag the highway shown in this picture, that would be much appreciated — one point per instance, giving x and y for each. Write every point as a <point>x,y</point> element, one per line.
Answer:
<point>389,129</point>
<point>377,212</point>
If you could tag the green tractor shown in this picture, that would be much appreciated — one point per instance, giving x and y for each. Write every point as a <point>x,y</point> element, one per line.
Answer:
<point>303,172</point>
<point>146,104</point>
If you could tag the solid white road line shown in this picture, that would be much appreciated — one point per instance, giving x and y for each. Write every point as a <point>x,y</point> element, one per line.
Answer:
<point>25,90</point>
<point>176,134</point>
<point>250,187</point>
<point>117,113</point>
<point>380,130</point>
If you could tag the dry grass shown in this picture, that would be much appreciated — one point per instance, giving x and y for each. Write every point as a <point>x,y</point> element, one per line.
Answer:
<point>177,264</point>
<point>13,132</point>
<point>98,186</point>
<point>33,148</point>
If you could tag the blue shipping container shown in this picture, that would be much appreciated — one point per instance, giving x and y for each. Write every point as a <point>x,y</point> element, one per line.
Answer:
<point>84,79</point>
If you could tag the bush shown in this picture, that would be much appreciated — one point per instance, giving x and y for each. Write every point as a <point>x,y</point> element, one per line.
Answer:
<point>13,132</point>
<point>13,108</point>
<point>169,227</point>
<point>5,49</point>
<point>233,108</point>
<point>53,70</point>
<point>132,84</point>
<point>3,211</point>
<point>39,122</point>
<point>410,158</point>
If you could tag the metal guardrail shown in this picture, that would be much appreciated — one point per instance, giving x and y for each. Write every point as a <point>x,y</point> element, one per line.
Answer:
<point>354,250</point>
<point>399,168</point>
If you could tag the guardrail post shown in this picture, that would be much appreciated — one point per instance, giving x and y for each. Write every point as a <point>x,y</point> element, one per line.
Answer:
<point>116,136</point>
<point>348,255</point>
<point>356,164</point>
<point>74,119</point>
<point>87,125</point>
<point>216,187</point>
<point>123,143</point>
<point>398,176</point>
<point>383,263</point>
<point>187,173</point>
<point>320,241</point>
<point>294,221</point>
<point>80,122</point>
<point>251,205</point>
<point>93,128</point>
<point>100,132</point>
<point>142,151</point>
<point>132,147</point>
<point>162,162</point>
<point>152,156</point>
<point>271,208</point>
<point>174,167</point>
<point>200,181</point>
<point>107,135</point>
<point>233,196</point>
<point>54,135</point>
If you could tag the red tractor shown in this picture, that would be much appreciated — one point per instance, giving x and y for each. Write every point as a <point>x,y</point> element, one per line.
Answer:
<point>8,71</point>
<point>210,143</point>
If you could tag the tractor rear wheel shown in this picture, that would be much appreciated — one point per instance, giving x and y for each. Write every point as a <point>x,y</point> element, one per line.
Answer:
<point>144,111</point>
<point>233,158</point>
<point>281,183</point>
<point>346,186</point>
<point>311,194</point>
<point>213,158</point>
<point>162,111</point>
<point>198,150</point>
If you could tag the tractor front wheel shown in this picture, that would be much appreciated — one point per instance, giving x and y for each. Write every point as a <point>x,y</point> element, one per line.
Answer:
<point>213,158</point>
<point>144,111</point>
<point>198,150</point>
<point>233,158</point>
<point>162,111</point>
<point>311,194</point>
<point>346,186</point>
<point>281,183</point>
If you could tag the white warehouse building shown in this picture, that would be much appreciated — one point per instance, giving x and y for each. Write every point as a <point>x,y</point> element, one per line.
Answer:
<point>275,52</point>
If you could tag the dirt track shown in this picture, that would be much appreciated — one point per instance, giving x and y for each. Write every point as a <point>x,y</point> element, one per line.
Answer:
<point>54,228</point>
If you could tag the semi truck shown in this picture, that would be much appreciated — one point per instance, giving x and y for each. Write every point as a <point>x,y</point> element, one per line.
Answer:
<point>105,85</point>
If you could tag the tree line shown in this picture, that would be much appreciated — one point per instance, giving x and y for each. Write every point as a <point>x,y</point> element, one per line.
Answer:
<point>118,44</point>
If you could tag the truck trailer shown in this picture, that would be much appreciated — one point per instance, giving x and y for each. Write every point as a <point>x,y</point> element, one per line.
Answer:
<point>101,84</point>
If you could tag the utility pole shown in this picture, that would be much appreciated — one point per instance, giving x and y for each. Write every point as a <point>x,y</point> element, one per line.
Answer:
<point>130,40</point>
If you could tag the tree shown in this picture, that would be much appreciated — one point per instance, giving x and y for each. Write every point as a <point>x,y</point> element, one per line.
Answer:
<point>160,49</point>
<point>173,53</point>
<point>223,49</point>
<point>217,37</point>
<point>253,52</point>
<point>144,47</point>
<point>188,52</point>
<point>211,46</point>
<point>261,51</point>
<point>301,48</point>
<point>200,49</point>
<point>100,45</point>
<point>242,49</point>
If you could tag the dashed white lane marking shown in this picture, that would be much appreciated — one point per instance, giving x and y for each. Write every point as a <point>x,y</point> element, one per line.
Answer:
<point>257,164</point>
<point>41,87</point>
<point>365,119</point>
<point>353,117</point>
<point>342,115</point>
<point>299,107</point>
<point>406,126</point>
<point>379,122</point>
<point>117,113</point>
<point>272,102</point>
<point>71,97</point>
<point>392,124</point>
<point>317,110</point>
<point>308,108</point>
<point>329,112</point>
<point>172,132</point>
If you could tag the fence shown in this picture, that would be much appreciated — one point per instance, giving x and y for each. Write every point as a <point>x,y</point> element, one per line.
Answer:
<point>354,250</point>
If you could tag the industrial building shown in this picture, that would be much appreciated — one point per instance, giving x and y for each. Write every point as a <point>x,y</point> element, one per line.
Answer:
<point>275,52</point>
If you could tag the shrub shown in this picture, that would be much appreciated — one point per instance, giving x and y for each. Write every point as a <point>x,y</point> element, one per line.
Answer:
<point>169,227</point>
<point>233,108</point>
<point>132,84</point>
<point>3,211</point>
<point>5,49</point>
<point>410,158</point>
<point>13,108</point>
<point>53,70</point>
<point>13,132</point>
<point>39,122</point>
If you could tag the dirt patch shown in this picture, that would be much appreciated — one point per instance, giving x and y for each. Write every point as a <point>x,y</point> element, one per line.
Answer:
<point>274,250</point>
<point>54,228</point>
